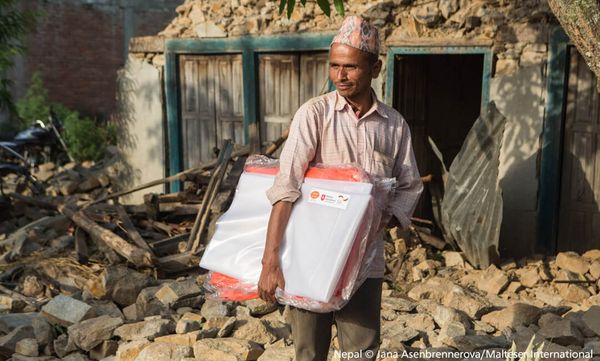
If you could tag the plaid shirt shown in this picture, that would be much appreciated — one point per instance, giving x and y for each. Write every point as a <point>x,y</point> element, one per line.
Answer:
<point>326,130</point>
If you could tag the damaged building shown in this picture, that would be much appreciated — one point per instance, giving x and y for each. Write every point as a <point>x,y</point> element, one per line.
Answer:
<point>239,70</point>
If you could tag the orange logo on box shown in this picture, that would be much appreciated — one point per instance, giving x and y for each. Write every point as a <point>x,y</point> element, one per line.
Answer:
<point>314,194</point>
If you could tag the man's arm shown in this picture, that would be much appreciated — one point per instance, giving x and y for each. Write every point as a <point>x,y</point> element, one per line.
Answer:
<point>297,153</point>
<point>271,276</point>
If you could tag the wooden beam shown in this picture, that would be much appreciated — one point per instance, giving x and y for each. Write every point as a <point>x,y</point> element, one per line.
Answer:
<point>132,232</point>
<point>209,196</point>
<point>137,256</point>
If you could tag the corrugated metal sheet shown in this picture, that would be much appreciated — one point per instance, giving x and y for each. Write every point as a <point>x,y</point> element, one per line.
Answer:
<point>472,204</point>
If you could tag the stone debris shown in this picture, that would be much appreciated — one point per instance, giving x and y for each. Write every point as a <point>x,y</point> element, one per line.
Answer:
<point>80,299</point>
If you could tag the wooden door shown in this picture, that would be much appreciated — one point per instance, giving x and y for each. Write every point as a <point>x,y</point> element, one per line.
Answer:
<point>579,217</point>
<point>286,81</point>
<point>212,104</point>
<point>279,78</point>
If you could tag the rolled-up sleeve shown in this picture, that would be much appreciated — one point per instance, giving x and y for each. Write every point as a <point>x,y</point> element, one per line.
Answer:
<point>408,181</point>
<point>298,151</point>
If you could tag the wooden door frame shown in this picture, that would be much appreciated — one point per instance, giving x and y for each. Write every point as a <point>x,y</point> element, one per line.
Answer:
<point>552,142</point>
<point>477,48</point>
<point>249,47</point>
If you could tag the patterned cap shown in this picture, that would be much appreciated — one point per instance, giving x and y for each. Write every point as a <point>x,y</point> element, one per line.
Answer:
<point>358,33</point>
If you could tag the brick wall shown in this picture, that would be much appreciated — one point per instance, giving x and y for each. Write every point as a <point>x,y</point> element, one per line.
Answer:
<point>79,47</point>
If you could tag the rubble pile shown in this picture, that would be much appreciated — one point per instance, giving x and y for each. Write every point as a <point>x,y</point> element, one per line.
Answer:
<point>86,278</point>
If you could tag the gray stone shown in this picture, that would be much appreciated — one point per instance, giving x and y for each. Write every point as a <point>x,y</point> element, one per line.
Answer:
<point>593,346</point>
<point>452,329</point>
<point>90,333</point>
<point>442,314</point>
<point>172,293</point>
<point>208,29</point>
<point>278,354</point>
<point>559,330</point>
<point>65,311</point>
<point>76,356</point>
<point>466,301</point>
<point>10,321</point>
<point>131,313</point>
<point>427,15</point>
<point>573,293</point>
<point>591,318</point>
<point>595,269</point>
<point>28,347</point>
<point>226,349</point>
<point>121,284</point>
<point>477,342</point>
<point>253,330</point>
<point>258,307</point>
<point>148,304</point>
<point>164,351</point>
<point>592,254</point>
<point>212,308</point>
<point>398,332</point>
<point>185,326</point>
<point>108,308</point>
<point>493,281</point>
<point>512,316</point>
<point>227,327</point>
<point>128,351</point>
<point>397,304</point>
<point>572,262</point>
<point>9,341</point>
<point>63,345</point>
<point>145,329</point>
<point>44,333</point>
<point>448,7</point>
<point>105,349</point>
<point>451,258</point>
<point>19,357</point>
<point>529,277</point>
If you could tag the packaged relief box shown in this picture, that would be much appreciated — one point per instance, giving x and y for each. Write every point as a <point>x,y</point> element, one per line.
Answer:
<point>330,220</point>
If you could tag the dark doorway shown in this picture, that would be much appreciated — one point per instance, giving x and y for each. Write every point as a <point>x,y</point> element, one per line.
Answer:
<point>439,95</point>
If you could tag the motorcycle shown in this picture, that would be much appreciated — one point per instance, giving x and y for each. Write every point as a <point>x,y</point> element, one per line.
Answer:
<point>38,144</point>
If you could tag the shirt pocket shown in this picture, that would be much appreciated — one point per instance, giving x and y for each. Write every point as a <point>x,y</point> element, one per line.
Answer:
<point>382,164</point>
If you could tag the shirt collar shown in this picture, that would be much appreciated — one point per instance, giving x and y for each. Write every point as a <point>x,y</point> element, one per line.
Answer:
<point>341,103</point>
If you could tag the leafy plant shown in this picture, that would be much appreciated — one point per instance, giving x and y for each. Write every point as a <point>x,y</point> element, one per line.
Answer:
<point>85,138</point>
<point>323,4</point>
<point>14,24</point>
<point>34,105</point>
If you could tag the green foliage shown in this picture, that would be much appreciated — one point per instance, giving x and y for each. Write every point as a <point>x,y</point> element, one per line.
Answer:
<point>85,139</point>
<point>35,104</point>
<point>14,24</point>
<point>323,4</point>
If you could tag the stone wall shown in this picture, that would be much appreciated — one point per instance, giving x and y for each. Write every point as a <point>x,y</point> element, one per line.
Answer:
<point>518,29</point>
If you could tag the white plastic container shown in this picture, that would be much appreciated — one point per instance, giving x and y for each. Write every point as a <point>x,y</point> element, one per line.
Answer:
<point>318,238</point>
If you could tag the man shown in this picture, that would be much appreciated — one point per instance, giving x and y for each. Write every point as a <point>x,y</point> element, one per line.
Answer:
<point>349,125</point>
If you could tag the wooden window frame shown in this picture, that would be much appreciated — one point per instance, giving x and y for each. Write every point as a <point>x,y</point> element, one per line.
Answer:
<point>249,47</point>
<point>474,49</point>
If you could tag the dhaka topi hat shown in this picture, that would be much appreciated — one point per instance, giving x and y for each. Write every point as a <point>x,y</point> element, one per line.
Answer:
<point>358,33</point>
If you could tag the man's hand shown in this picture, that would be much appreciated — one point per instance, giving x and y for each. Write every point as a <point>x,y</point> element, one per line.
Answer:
<point>271,277</point>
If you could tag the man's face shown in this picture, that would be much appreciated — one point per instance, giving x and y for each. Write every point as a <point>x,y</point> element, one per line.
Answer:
<point>351,70</point>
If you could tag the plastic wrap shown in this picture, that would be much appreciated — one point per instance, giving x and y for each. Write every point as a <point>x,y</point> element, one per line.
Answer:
<point>340,231</point>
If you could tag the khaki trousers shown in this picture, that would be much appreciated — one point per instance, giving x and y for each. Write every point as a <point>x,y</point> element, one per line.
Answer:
<point>358,327</point>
